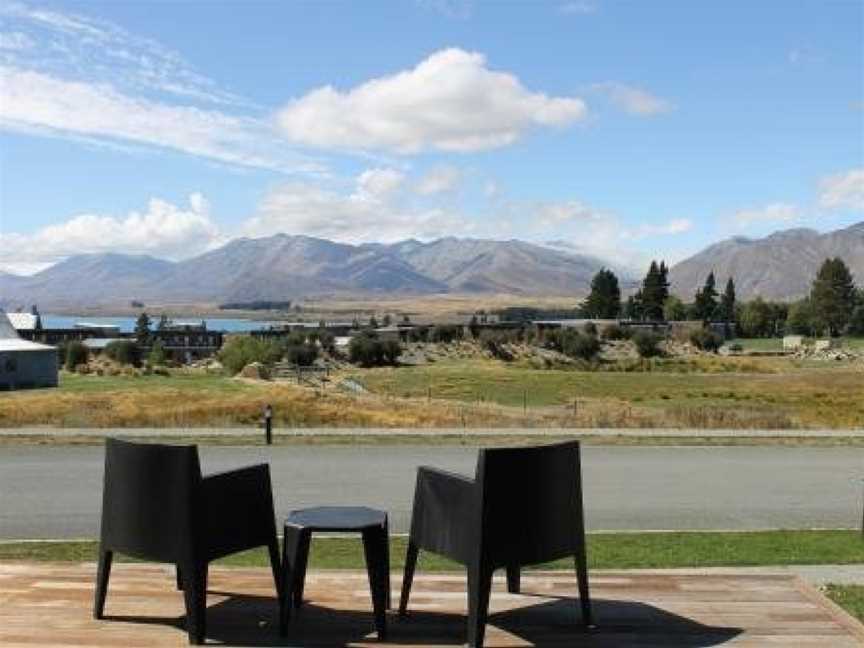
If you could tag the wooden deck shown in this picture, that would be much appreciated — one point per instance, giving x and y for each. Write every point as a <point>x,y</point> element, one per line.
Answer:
<point>50,605</point>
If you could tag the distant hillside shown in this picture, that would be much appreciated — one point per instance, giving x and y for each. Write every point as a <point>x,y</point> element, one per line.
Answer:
<point>291,267</point>
<point>779,266</point>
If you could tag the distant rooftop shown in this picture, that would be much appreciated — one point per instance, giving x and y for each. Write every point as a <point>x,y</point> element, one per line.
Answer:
<point>23,321</point>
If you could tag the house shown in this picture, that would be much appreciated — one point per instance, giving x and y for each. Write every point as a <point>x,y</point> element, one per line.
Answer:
<point>31,321</point>
<point>23,363</point>
<point>186,341</point>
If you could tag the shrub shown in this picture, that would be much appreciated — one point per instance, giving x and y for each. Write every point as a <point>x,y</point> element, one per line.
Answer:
<point>157,356</point>
<point>124,352</point>
<point>302,354</point>
<point>579,345</point>
<point>647,344</point>
<point>706,340</point>
<point>856,322</point>
<point>494,341</point>
<point>367,350</point>
<point>76,354</point>
<point>590,328</point>
<point>241,350</point>
<point>614,332</point>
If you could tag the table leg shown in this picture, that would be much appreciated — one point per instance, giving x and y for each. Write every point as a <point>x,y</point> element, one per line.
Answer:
<point>374,547</point>
<point>387,563</point>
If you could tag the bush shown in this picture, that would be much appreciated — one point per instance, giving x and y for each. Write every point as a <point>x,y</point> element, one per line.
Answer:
<point>706,340</point>
<point>157,356</point>
<point>579,345</point>
<point>302,354</point>
<point>856,322</point>
<point>494,341</point>
<point>76,354</point>
<point>614,332</point>
<point>242,350</point>
<point>367,350</point>
<point>647,344</point>
<point>124,352</point>
<point>590,328</point>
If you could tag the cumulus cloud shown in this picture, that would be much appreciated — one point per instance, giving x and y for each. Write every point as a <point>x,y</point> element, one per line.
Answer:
<point>451,101</point>
<point>671,227</point>
<point>633,100</point>
<point>440,179</point>
<point>164,229</point>
<point>374,210</point>
<point>773,213</point>
<point>843,190</point>
<point>37,103</point>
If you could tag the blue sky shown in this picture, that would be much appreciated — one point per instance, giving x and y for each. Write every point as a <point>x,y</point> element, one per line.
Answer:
<point>628,130</point>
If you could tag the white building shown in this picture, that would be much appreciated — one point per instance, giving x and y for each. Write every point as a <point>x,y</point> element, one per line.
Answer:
<point>23,363</point>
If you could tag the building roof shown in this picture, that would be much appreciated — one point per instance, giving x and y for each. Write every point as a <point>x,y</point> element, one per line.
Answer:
<point>100,343</point>
<point>23,321</point>
<point>9,340</point>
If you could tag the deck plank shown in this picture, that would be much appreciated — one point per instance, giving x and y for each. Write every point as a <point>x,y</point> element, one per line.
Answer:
<point>46,604</point>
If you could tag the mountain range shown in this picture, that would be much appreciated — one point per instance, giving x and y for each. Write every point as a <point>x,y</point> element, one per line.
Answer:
<point>779,266</point>
<point>292,267</point>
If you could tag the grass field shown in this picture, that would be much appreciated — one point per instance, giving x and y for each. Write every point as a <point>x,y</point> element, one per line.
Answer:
<point>605,551</point>
<point>794,396</point>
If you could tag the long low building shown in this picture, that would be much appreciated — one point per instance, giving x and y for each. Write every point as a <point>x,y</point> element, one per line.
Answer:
<point>24,364</point>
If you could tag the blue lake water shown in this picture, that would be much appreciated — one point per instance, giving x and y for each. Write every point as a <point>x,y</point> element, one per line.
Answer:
<point>127,324</point>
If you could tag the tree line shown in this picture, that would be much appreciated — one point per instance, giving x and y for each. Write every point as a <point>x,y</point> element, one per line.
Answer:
<point>834,305</point>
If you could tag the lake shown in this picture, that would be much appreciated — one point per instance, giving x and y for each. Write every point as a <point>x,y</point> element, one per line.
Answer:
<point>127,324</point>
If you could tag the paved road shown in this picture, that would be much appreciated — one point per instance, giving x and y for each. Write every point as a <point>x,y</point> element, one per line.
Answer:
<point>54,492</point>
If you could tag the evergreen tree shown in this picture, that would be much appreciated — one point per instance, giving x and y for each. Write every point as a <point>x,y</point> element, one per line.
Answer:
<point>633,307</point>
<point>387,320</point>
<point>674,309</point>
<point>832,296</point>
<point>655,291</point>
<point>706,299</point>
<point>604,302</point>
<point>142,329</point>
<point>800,318</point>
<point>474,327</point>
<point>373,323</point>
<point>726,310</point>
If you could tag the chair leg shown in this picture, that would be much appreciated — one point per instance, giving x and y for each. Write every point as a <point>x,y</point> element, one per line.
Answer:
<point>374,541</point>
<point>275,565</point>
<point>296,559</point>
<point>514,583</point>
<point>103,572</point>
<point>195,595</point>
<point>408,577</point>
<point>582,577</point>
<point>479,587</point>
<point>387,563</point>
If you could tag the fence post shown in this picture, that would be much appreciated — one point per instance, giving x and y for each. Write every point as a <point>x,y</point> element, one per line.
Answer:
<point>268,424</point>
<point>524,401</point>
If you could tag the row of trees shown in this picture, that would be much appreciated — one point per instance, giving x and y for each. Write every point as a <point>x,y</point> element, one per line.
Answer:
<point>833,307</point>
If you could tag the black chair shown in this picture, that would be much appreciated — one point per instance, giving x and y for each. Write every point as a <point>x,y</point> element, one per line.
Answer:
<point>524,507</point>
<point>157,506</point>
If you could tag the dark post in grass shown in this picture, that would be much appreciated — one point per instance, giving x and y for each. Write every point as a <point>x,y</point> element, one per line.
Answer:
<point>268,424</point>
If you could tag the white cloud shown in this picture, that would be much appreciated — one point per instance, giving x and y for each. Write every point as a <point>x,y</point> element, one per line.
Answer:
<point>635,101</point>
<point>581,7</point>
<point>379,183</point>
<point>165,230</point>
<point>372,212</point>
<point>16,41</point>
<point>451,101</point>
<point>773,213</point>
<point>35,102</point>
<point>671,227</point>
<point>843,190</point>
<point>440,179</point>
<point>457,9</point>
<point>75,46</point>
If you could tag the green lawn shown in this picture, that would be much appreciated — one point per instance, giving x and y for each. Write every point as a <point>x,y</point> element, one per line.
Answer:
<point>179,380</point>
<point>605,551</point>
<point>849,597</point>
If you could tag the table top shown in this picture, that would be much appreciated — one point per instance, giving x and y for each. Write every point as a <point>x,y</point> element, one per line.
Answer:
<point>337,518</point>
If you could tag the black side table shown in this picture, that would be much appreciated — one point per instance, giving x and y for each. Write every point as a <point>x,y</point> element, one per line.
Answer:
<point>370,523</point>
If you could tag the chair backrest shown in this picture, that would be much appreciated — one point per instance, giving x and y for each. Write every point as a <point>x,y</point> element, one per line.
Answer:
<point>149,500</point>
<point>532,502</point>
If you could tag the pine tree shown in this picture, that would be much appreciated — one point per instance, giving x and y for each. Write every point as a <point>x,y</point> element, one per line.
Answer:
<point>633,307</point>
<point>726,309</point>
<point>655,290</point>
<point>142,329</point>
<point>832,296</point>
<point>705,303</point>
<point>604,302</point>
